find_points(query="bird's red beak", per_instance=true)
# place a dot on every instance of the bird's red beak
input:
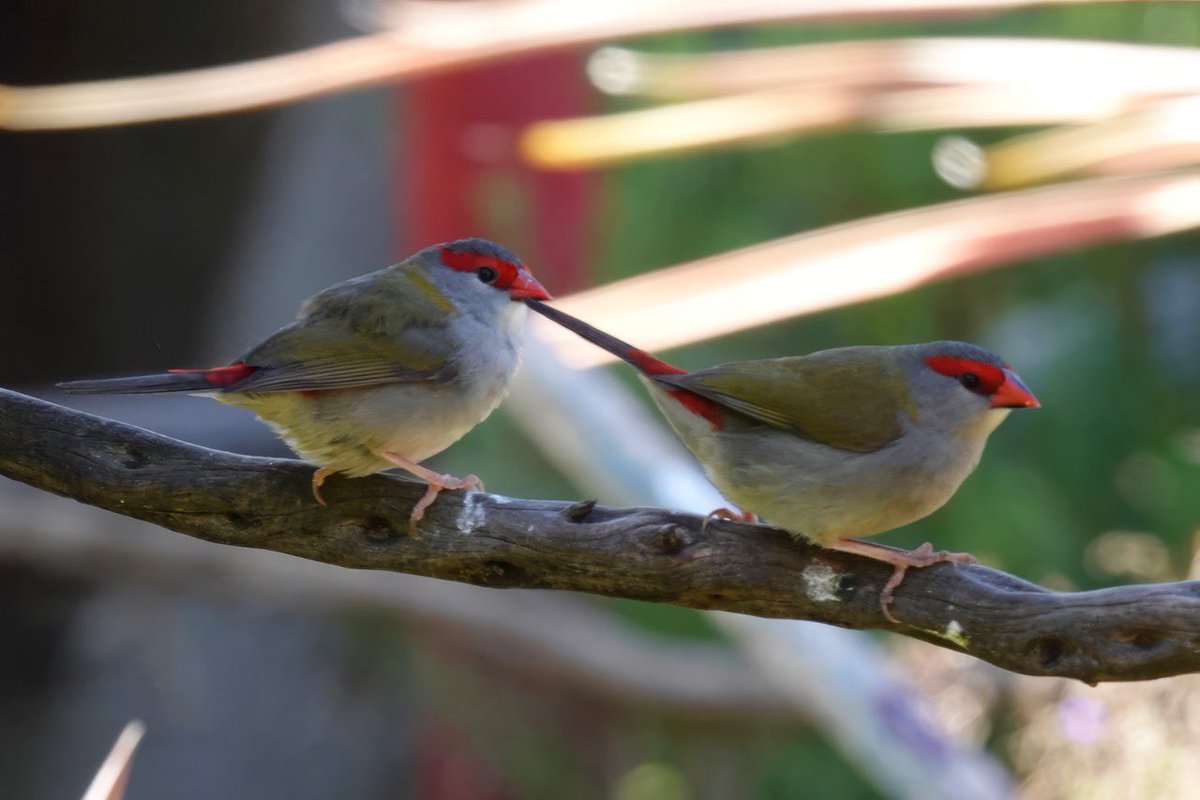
(527, 286)
(1013, 393)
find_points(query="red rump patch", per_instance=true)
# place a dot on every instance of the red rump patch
(221, 377)
(700, 406)
(652, 365)
(467, 261)
(990, 376)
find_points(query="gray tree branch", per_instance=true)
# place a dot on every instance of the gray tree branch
(1124, 633)
(529, 634)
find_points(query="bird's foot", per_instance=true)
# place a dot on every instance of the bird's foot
(435, 484)
(729, 514)
(901, 561)
(435, 487)
(318, 479)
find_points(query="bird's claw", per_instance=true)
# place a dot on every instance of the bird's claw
(901, 561)
(435, 487)
(923, 556)
(318, 479)
(435, 483)
(727, 514)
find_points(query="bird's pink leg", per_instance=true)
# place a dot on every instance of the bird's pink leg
(435, 482)
(730, 514)
(318, 479)
(901, 561)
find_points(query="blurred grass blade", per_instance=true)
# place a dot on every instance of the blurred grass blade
(994, 105)
(423, 37)
(555, 23)
(788, 112)
(873, 258)
(620, 71)
(703, 124)
(348, 64)
(891, 85)
(1115, 68)
(1163, 136)
(113, 775)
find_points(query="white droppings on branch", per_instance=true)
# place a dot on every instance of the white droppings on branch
(821, 583)
(473, 514)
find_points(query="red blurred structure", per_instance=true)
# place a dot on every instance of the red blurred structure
(458, 171)
(458, 175)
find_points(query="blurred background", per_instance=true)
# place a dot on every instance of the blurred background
(179, 242)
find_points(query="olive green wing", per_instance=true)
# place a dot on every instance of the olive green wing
(850, 398)
(387, 327)
(383, 303)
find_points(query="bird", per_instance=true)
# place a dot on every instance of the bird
(379, 371)
(837, 444)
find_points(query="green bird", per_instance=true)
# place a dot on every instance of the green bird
(380, 371)
(837, 444)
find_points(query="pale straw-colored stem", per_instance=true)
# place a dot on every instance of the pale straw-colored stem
(903, 84)
(874, 257)
(1166, 135)
(1103, 67)
(423, 37)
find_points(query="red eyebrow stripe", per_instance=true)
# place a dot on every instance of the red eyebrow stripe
(465, 260)
(468, 261)
(990, 376)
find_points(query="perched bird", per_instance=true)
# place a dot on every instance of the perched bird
(841, 443)
(379, 371)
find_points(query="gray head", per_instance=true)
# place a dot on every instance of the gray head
(480, 276)
(962, 386)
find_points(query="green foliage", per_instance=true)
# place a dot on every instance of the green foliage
(673, 622)
(809, 767)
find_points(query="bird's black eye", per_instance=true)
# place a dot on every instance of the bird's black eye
(970, 380)
(486, 274)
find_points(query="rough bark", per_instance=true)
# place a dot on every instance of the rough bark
(1123, 633)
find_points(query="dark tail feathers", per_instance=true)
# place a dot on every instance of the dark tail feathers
(639, 359)
(142, 384)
